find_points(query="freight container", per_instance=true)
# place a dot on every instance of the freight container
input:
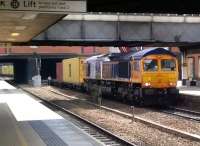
(0, 69)
(59, 71)
(4, 70)
(10, 70)
(7, 69)
(73, 70)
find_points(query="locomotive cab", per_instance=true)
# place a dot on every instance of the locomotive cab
(156, 72)
(159, 71)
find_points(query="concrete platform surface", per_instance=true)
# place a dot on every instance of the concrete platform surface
(26, 122)
(189, 90)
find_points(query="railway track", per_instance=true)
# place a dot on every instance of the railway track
(94, 130)
(144, 121)
(152, 124)
(184, 113)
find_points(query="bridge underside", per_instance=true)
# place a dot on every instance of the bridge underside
(118, 30)
(109, 43)
(26, 66)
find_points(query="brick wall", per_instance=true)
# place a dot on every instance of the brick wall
(55, 50)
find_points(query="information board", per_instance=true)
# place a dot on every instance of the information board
(44, 5)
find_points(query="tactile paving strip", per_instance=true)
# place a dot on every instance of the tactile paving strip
(46, 134)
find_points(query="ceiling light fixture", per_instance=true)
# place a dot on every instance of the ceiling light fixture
(14, 34)
(29, 16)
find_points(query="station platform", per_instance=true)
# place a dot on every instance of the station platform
(189, 90)
(189, 97)
(24, 121)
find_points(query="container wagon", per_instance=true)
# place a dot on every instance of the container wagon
(59, 72)
(73, 71)
(7, 69)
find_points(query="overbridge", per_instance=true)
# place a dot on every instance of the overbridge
(123, 29)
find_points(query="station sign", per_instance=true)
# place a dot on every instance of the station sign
(44, 5)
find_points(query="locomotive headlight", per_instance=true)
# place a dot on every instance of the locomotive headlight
(147, 84)
(171, 84)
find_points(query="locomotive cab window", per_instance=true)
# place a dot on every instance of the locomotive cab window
(168, 65)
(150, 65)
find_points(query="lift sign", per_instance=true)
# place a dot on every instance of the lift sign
(44, 5)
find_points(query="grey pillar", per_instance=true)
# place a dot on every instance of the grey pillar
(33, 71)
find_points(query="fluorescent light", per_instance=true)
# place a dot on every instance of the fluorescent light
(14, 34)
(29, 16)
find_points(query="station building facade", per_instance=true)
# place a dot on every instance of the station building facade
(191, 67)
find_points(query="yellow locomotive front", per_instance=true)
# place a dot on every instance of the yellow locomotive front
(159, 71)
(155, 71)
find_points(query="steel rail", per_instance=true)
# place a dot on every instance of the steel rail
(101, 129)
(163, 128)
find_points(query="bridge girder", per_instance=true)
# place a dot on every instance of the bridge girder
(138, 29)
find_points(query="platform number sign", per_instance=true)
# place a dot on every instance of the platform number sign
(14, 4)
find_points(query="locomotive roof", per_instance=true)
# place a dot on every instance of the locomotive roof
(103, 57)
(93, 57)
(146, 52)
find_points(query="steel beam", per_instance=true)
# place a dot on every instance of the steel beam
(135, 28)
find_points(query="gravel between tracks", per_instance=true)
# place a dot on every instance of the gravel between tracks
(132, 131)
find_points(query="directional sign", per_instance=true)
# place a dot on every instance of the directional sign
(44, 5)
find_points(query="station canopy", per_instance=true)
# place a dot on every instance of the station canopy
(21, 20)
